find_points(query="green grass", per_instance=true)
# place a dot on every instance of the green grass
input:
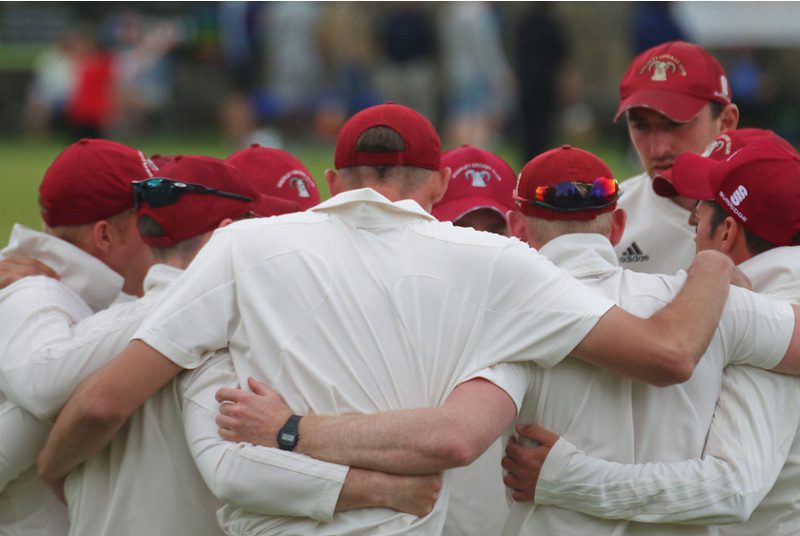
(25, 161)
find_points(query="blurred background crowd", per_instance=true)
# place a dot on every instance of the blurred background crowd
(522, 75)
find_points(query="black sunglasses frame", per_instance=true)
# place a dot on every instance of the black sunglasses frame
(166, 192)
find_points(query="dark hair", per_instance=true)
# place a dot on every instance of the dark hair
(755, 244)
(380, 140)
(716, 109)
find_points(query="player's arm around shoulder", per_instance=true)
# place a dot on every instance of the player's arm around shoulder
(664, 349)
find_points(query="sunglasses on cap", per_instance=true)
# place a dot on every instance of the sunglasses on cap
(160, 192)
(575, 195)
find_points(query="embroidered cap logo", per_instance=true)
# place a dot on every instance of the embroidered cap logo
(478, 178)
(662, 66)
(738, 195)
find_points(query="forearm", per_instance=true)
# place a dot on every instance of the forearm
(698, 491)
(21, 437)
(77, 435)
(663, 349)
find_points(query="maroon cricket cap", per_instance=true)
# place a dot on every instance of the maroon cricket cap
(758, 185)
(721, 148)
(676, 79)
(480, 179)
(421, 143)
(193, 214)
(91, 180)
(565, 163)
(277, 173)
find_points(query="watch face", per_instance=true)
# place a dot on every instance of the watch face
(289, 435)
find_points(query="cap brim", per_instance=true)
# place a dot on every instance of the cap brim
(458, 208)
(677, 106)
(691, 176)
(267, 205)
(662, 184)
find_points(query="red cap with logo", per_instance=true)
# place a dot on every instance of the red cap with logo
(421, 143)
(758, 185)
(564, 164)
(676, 79)
(480, 180)
(193, 213)
(721, 148)
(277, 173)
(91, 180)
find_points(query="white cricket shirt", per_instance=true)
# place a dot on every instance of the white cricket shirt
(362, 305)
(750, 445)
(658, 238)
(34, 312)
(625, 421)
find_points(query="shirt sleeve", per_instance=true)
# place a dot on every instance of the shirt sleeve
(21, 437)
(198, 314)
(746, 448)
(538, 311)
(259, 479)
(44, 382)
(513, 378)
(39, 313)
(757, 328)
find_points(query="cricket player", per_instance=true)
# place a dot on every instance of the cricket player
(320, 303)
(91, 241)
(676, 99)
(277, 173)
(752, 448)
(574, 223)
(480, 191)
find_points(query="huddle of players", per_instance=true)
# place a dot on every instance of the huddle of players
(735, 426)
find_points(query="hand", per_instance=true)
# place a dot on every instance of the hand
(55, 484)
(414, 495)
(15, 268)
(251, 417)
(523, 464)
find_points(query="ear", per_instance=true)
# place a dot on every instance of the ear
(728, 233)
(515, 221)
(439, 182)
(334, 182)
(729, 118)
(618, 219)
(102, 237)
(224, 223)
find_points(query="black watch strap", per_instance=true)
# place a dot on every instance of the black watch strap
(289, 434)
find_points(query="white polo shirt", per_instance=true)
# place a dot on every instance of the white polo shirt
(362, 305)
(625, 421)
(37, 311)
(658, 238)
(750, 445)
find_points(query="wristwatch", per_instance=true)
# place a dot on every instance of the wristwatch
(289, 434)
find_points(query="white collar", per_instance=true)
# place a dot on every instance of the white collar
(775, 273)
(159, 277)
(582, 254)
(365, 208)
(96, 284)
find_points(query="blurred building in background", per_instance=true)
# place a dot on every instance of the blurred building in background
(531, 75)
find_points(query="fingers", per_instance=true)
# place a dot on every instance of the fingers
(257, 387)
(230, 394)
(536, 433)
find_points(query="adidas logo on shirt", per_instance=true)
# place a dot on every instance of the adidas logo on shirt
(633, 254)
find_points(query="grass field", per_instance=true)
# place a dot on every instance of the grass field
(25, 161)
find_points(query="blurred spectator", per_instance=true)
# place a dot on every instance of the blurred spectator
(540, 53)
(407, 73)
(144, 84)
(239, 29)
(90, 110)
(479, 83)
(349, 51)
(653, 24)
(54, 80)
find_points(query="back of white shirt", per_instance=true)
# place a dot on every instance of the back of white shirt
(621, 420)
(362, 305)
